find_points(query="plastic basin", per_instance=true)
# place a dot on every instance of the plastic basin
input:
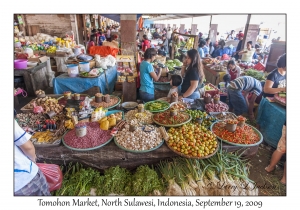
(20, 64)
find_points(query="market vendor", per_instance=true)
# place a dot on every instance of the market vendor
(201, 49)
(164, 46)
(192, 71)
(247, 54)
(238, 100)
(233, 69)
(91, 43)
(156, 34)
(145, 43)
(114, 40)
(276, 80)
(147, 75)
(206, 47)
(28, 178)
(239, 46)
(220, 50)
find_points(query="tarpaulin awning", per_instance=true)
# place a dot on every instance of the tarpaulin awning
(116, 17)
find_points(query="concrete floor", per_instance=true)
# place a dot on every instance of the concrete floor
(269, 183)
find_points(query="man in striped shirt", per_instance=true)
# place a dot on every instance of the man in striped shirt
(238, 100)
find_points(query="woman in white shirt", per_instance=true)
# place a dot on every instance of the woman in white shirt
(247, 54)
(28, 178)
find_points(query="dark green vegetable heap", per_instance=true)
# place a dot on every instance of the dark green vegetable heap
(115, 181)
(256, 74)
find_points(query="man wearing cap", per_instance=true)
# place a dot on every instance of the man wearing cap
(239, 46)
(28, 178)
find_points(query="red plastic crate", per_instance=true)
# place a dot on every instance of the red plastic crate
(212, 92)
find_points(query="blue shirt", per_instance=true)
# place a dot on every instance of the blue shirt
(146, 80)
(220, 52)
(255, 56)
(205, 50)
(201, 52)
(101, 40)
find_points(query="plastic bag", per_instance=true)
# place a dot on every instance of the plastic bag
(97, 60)
(37, 109)
(111, 60)
(53, 175)
(94, 72)
(61, 64)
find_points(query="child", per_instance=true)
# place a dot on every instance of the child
(176, 81)
(101, 39)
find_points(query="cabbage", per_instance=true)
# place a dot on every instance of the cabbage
(176, 61)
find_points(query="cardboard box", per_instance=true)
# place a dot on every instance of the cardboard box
(92, 64)
(60, 53)
(43, 52)
(36, 52)
(164, 72)
(125, 58)
(161, 59)
(40, 59)
(51, 54)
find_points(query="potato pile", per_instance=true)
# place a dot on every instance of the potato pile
(48, 104)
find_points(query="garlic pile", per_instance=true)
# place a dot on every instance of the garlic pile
(138, 140)
(144, 117)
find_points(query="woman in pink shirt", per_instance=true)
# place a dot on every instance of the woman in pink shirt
(91, 43)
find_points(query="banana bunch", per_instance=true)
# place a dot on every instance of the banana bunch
(190, 43)
(51, 49)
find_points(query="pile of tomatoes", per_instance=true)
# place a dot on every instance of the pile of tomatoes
(193, 140)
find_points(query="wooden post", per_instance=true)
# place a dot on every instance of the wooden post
(84, 30)
(23, 26)
(246, 31)
(99, 21)
(209, 26)
(80, 29)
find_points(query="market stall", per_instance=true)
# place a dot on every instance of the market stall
(271, 117)
(87, 129)
(34, 77)
(64, 83)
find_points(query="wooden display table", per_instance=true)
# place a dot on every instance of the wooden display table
(103, 158)
(34, 78)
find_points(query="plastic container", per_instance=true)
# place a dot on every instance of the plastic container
(18, 44)
(80, 130)
(84, 66)
(20, 64)
(72, 70)
(222, 85)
